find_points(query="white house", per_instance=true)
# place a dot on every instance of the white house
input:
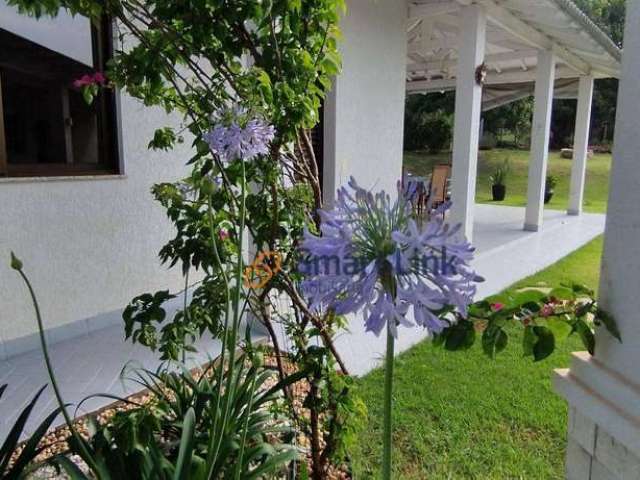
(74, 180)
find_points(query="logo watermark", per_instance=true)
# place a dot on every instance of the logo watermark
(261, 271)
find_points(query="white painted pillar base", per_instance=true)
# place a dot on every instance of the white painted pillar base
(466, 130)
(540, 131)
(580, 146)
(603, 391)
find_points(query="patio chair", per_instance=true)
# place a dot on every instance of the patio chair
(438, 191)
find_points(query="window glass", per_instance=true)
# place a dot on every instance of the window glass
(47, 127)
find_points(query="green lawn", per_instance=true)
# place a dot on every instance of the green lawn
(596, 191)
(461, 415)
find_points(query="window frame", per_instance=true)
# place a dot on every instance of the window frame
(110, 152)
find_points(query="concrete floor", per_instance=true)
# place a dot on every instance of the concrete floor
(93, 363)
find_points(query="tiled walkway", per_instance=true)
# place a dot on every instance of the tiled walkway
(88, 365)
(93, 363)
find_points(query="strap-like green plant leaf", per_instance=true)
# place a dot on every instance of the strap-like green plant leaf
(187, 441)
(10, 444)
(70, 468)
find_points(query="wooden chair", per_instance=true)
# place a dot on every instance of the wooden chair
(438, 192)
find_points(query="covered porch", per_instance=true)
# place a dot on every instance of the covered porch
(492, 53)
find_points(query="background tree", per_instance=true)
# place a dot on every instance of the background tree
(515, 118)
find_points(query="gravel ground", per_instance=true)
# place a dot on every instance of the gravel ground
(55, 443)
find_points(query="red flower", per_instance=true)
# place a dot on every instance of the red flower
(83, 81)
(547, 311)
(100, 78)
(97, 78)
(496, 307)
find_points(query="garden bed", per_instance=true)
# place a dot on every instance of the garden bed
(55, 442)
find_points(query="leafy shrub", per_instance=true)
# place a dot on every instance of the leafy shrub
(189, 431)
(430, 130)
(547, 320)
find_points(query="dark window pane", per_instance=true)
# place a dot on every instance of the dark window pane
(48, 127)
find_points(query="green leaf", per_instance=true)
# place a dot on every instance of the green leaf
(187, 441)
(494, 340)
(527, 296)
(586, 335)
(273, 464)
(264, 82)
(580, 289)
(88, 94)
(163, 139)
(562, 293)
(12, 439)
(295, 5)
(70, 468)
(480, 309)
(460, 336)
(545, 343)
(560, 328)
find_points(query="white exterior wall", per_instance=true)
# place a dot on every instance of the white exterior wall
(364, 114)
(89, 245)
(363, 133)
(602, 391)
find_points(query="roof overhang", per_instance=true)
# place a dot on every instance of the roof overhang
(516, 31)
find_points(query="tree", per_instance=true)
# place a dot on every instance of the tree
(609, 15)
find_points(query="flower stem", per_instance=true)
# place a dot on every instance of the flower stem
(85, 453)
(388, 394)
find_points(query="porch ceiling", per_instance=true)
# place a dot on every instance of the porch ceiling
(516, 31)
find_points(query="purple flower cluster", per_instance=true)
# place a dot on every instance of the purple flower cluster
(371, 255)
(233, 141)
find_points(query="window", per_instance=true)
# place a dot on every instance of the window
(46, 127)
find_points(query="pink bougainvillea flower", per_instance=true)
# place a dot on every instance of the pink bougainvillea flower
(83, 81)
(100, 78)
(496, 307)
(547, 311)
(223, 234)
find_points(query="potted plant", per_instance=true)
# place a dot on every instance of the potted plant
(549, 187)
(498, 186)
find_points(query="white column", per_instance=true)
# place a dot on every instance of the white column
(580, 145)
(466, 131)
(603, 391)
(540, 140)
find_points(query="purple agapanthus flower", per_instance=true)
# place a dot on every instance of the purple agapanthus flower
(240, 139)
(372, 256)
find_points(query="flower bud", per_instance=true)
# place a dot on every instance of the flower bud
(16, 264)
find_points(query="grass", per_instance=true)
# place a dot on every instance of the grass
(596, 189)
(462, 415)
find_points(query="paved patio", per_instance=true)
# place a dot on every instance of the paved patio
(93, 363)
